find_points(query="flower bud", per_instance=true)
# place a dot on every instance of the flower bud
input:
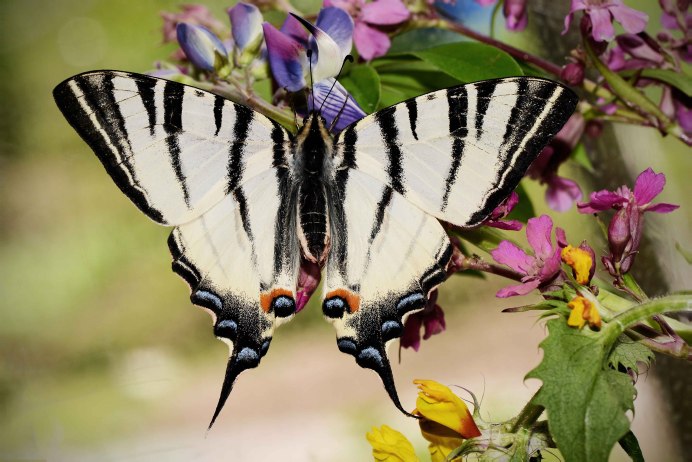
(204, 49)
(246, 27)
(573, 73)
(515, 13)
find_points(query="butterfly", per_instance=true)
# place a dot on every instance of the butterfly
(248, 201)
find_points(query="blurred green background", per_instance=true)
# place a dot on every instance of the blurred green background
(104, 358)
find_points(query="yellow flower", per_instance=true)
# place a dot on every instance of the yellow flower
(442, 439)
(437, 403)
(581, 262)
(388, 445)
(583, 311)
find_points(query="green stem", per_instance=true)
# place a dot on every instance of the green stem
(641, 312)
(528, 416)
(629, 282)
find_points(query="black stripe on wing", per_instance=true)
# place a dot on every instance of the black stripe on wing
(457, 113)
(173, 94)
(98, 122)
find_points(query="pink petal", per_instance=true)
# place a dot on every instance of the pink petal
(662, 208)
(600, 201)
(508, 225)
(385, 12)
(538, 232)
(561, 237)
(551, 266)
(411, 336)
(486, 2)
(509, 254)
(601, 24)
(576, 5)
(562, 193)
(632, 21)
(648, 185)
(434, 322)
(370, 42)
(519, 289)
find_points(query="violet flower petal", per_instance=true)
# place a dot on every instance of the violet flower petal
(516, 17)
(287, 58)
(294, 29)
(600, 201)
(201, 46)
(632, 21)
(327, 59)
(434, 322)
(562, 193)
(575, 6)
(648, 185)
(538, 233)
(519, 289)
(662, 208)
(384, 12)
(507, 225)
(411, 336)
(246, 24)
(370, 42)
(602, 24)
(510, 255)
(339, 26)
(334, 104)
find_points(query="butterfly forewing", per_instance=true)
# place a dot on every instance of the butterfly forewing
(457, 153)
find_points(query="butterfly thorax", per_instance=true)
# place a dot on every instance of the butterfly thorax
(312, 149)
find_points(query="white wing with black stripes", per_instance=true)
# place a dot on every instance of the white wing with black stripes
(458, 153)
(453, 154)
(217, 170)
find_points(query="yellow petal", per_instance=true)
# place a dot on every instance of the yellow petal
(437, 403)
(592, 315)
(388, 445)
(580, 261)
(578, 305)
(442, 439)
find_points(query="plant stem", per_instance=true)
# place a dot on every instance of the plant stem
(629, 282)
(476, 263)
(528, 416)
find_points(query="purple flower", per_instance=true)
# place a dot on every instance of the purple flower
(495, 219)
(330, 41)
(246, 26)
(602, 13)
(573, 73)
(642, 51)
(515, 13)
(561, 192)
(197, 15)
(431, 319)
(371, 42)
(676, 105)
(625, 229)
(202, 47)
(540, 270)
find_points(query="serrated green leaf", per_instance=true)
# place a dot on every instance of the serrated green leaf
(627, 353)
(580, 156)
(586, 402)
(421, 39)
(470, 62)
(524, 209)
(363, 83)
(679, 80)
(630, 445)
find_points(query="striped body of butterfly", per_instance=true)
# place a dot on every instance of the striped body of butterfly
(248, 200)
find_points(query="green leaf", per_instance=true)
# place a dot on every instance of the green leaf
(397, 87)
(422, 39)
(630, 445)
(470, 62)
(627, 353)
(363, 83)
(679, 80)
(580, 156)
(524, 209)
(585, 401)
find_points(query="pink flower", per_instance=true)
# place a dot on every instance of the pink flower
(602, 13)
(198, 15)
(542, 269)
(431, 319)
(308, 280)
(561, 192)
(495, 219)
(625, 229)
(370, 41)
(635, 52)
(515, 13)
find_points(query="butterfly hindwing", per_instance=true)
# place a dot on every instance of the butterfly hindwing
(386, 257)
(457, 153)
(217, 170)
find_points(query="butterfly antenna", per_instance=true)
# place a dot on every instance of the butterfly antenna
(348, 58)
(338, 114)
(312, 85)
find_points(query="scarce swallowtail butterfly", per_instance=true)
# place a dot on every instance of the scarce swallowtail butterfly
(248, 200)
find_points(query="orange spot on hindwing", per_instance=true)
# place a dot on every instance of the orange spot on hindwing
(351, 299)
(268, 298)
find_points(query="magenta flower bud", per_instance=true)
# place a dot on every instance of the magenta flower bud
(619, 233)
(515, 13)
(573, 73)
(201, 47)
